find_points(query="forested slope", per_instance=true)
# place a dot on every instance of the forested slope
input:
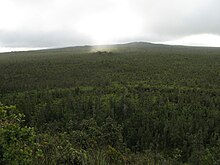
(136, 103)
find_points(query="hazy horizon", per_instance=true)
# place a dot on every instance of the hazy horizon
(31, 25)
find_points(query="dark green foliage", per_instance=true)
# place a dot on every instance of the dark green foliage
(136, 103)
(17, 144)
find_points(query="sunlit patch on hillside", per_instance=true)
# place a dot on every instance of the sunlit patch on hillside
(103, 48)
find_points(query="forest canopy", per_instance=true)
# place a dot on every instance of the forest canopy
(136, 103)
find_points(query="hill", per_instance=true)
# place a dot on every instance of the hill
(131, 103)
(99, 65)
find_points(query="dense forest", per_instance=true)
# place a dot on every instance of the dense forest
(136, 103)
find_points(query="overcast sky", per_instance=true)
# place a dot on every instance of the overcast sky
(32, 24)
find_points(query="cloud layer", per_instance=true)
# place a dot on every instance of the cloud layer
(56, 23)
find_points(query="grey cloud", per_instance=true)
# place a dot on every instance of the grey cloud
(52, 23)
(41, 39)
(169, 20)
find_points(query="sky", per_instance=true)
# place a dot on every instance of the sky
(36, 24)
